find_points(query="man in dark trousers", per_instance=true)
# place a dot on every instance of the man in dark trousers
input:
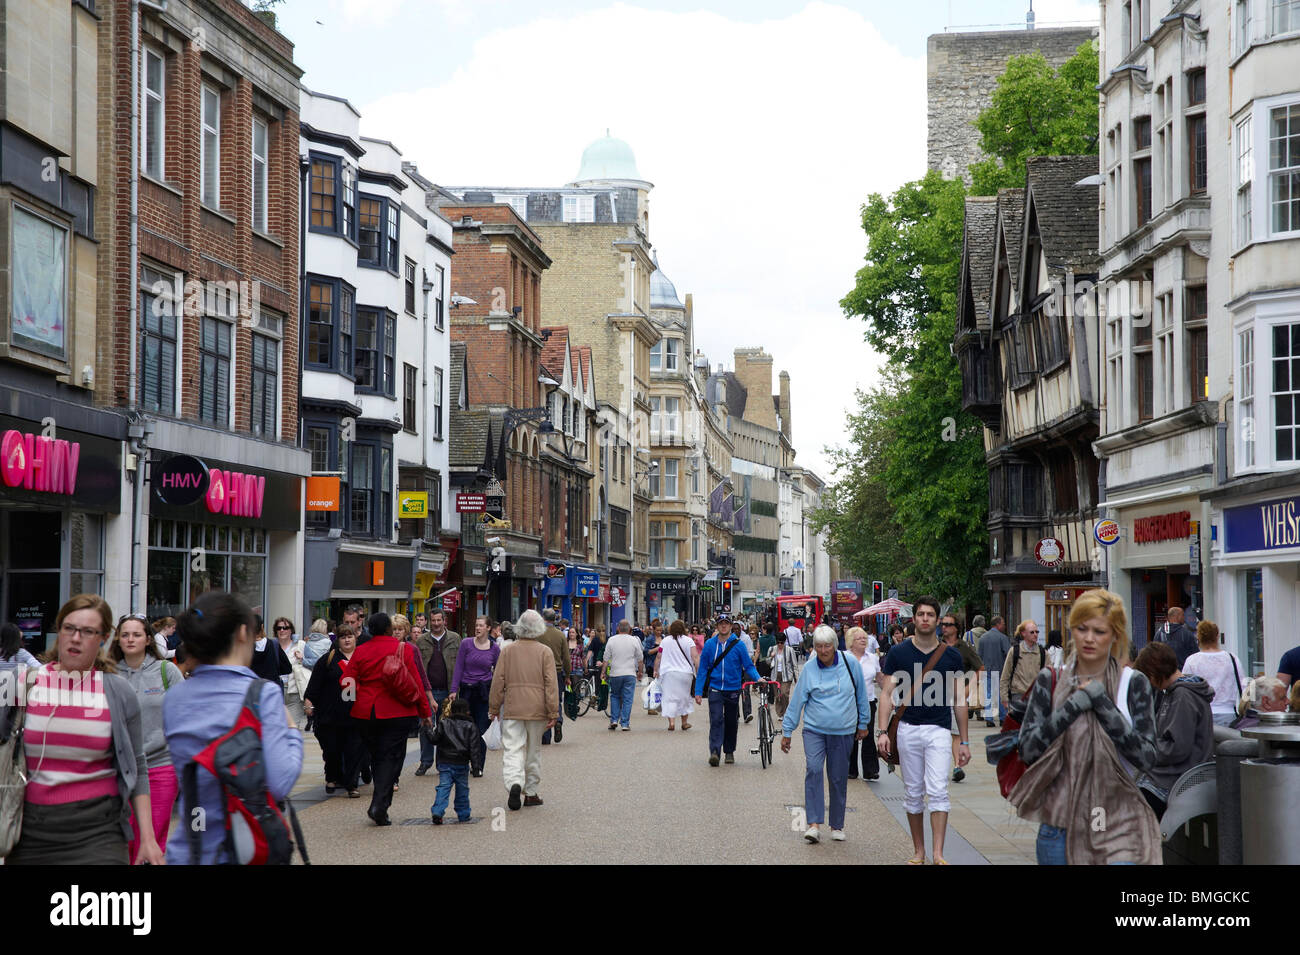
(554, 641)
(993, 647)
(1180, 637)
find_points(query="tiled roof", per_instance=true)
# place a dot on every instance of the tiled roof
(1066, 213)
(553, 350)
(584, 358)
(980, 232)
(468, 428)
(1011, 216)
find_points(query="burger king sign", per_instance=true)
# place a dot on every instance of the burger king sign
(1106, 532)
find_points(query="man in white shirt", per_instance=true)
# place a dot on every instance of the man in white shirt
(624, 665)
(794, 638)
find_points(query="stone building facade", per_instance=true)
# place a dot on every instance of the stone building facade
(961, 73)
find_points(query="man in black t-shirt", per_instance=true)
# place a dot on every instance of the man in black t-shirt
(925, 728)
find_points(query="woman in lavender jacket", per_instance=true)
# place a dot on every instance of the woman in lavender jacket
(219, 632)
(472, 678)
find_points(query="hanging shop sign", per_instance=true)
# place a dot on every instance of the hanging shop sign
(555, 570)
(586, 583)
(1049, 552)
(412, 505)
(1106, 532)
(617, 596)
(322, 494)
(470, 503)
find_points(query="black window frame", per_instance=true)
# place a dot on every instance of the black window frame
(440, 380)
(210, 388)
(439, 314)
(341, 332)
(410, 397)
(384, 350)
(380, 506)
(408, 280)
(335, 179)
(388, 249)
(166, 376)
(264, 383)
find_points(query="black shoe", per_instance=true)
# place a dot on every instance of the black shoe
(559, 733)
(989, 723)
(365, 779)
(853, 775)
(380, 819)
(437, 820)
(749, 718)
(613, 726)
(729, 759)
(476, 772)
(713, 756)
(872, 776)
(422, 769)
(514, 802)
(958, 774)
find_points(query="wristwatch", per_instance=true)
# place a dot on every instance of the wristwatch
(964, 743)
(880, 733)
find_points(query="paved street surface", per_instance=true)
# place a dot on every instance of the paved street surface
(650, 796)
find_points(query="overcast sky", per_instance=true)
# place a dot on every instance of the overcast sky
(762, 124)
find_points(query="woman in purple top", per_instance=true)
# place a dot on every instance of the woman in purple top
(472, 678)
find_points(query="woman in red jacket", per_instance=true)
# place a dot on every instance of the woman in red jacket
(384, 720)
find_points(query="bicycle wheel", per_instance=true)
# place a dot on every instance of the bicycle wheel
(764, 737)
(585, 692)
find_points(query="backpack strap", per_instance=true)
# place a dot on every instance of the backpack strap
(856, 703)
(166, 686)
(190, 788)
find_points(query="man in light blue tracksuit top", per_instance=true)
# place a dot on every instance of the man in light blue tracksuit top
(831, 695)
(723, 688)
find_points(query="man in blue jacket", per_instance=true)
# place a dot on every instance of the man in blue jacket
(722, 668)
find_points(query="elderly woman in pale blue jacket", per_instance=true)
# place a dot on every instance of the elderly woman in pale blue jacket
(831, 697)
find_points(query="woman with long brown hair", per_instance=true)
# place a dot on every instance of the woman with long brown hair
(86, 762)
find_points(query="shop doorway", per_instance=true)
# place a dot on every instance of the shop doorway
(31, 556)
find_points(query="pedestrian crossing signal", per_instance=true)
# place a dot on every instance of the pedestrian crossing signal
(877, 591)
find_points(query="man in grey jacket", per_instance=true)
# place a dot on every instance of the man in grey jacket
(994, 646)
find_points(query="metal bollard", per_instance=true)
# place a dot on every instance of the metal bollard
(1228, 756)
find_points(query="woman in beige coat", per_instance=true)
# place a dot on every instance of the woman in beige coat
(526, 698)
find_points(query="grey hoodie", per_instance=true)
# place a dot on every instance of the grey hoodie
(147, 682)
(1184, 730)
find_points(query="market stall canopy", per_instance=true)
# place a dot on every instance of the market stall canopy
(892, 605)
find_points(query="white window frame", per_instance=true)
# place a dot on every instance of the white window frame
(1253, 345)
(672, 353)
(210, 155)
(578, 209)
(657, 356)
(1243, 26)
(670, 420)
(153, 100)
(518, 203)
(1244, 177)
(671, 473)
(1260, 114)
(1293, 6)
(1247, 440)
(260, 222)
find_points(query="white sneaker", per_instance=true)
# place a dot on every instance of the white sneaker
(813, 836)
(837, 835)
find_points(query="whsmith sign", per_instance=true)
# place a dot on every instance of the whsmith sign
(1269, 525)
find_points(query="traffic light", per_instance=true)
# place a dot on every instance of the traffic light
(724, 603)
(877, 591)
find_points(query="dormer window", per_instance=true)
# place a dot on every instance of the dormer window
(664, 354)
(579, 209)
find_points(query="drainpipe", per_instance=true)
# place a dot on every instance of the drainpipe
(1221, 443)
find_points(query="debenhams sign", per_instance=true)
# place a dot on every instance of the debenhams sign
(1269, 525)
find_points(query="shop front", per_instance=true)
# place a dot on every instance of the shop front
(668, 597)
(620, 595)
(63, 529)
(432, 573)
(1151, 565)
(1255, 563)
(219, 525)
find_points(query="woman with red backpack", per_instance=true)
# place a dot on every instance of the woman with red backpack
(383, 678)
(219, 631)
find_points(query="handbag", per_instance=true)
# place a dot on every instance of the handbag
(1010, 765)
(892, 730)
(13, 762)
(397, 677)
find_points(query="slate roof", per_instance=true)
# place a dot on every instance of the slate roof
(737, 394)
(469, 427)
(1066, 213)
(1011, 216)
(980, 233)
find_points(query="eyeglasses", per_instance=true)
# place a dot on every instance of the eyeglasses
(67, 630)
(281, 626)
(947, 623)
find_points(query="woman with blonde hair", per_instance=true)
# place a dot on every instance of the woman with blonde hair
(1218, 667)
(318, 643)
(1087, 730)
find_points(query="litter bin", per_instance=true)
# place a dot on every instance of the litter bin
(1270, 797)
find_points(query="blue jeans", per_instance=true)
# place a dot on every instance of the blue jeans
(829, 755)
(449, 773)
(622, 690)
(1051, 846)
(428, 755)
(724, 713)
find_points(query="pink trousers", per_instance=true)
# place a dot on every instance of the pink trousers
(163, 787)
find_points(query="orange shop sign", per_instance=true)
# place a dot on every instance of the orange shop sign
(322, 494)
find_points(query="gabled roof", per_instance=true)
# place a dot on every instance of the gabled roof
(554, 351)
(584, 358)
(1066, 212)
(1011, 217)
(978, 236)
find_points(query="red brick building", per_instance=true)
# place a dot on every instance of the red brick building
(216, 289)
(500, 430)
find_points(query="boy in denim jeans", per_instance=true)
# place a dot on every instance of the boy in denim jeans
(458, 742)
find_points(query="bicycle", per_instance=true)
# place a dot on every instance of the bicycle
(766, 725)
(585, 689)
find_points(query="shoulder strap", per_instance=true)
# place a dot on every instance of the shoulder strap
(1236, 675)
(253, 698)
(717, 658)
(845, 658)
(685, 653)
(166, 685)
(1015, 659)
(929, 665)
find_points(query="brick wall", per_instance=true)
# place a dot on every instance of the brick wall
(176, 231)
(962, 71)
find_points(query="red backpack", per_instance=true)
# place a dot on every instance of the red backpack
(256, 830)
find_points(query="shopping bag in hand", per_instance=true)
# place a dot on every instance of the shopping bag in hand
(492, 738)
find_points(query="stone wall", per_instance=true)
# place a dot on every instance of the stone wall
(962, 71)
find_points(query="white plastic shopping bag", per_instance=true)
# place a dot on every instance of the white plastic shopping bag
(652, 696)
(492, 738)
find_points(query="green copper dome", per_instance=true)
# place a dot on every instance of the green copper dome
(607, 158)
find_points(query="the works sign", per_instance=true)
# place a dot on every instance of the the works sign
(1163, 527)
(1270, 525)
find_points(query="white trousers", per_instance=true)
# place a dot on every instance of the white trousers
(925, 758)
(521, 753)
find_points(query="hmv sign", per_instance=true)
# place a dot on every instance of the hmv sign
(190, 489)
(181, 479)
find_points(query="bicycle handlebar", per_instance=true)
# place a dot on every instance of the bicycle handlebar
(775, 683)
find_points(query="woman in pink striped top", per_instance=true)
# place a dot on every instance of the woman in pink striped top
(85, 755)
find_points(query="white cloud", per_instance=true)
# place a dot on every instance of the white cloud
(762, 139)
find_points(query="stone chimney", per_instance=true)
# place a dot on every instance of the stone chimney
(754, 371)
(786, 426)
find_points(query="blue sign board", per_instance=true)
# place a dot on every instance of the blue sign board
(586, 583)
(1269, 525)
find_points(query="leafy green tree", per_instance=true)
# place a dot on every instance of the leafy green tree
(1036, 111)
